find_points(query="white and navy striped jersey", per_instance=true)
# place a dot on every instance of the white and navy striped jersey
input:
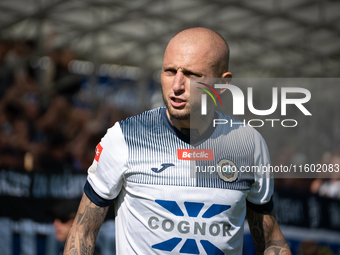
(169, 198)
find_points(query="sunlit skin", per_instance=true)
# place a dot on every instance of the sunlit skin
(193, 57)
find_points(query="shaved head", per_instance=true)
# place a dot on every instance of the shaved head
(204, 37)
(192, 53)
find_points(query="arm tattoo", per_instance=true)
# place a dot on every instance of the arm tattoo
(277, 248)
(83, 233)
(266, 234)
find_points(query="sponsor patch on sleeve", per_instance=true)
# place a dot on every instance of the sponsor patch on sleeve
(94, 166)
(99, 150)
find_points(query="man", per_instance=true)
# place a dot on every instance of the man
(142, 163)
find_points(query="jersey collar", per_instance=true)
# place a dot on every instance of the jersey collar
(186, 138)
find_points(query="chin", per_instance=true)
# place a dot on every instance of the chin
(183, 114)
(179, 114)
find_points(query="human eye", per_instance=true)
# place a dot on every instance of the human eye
(193, 75)
(170, 71)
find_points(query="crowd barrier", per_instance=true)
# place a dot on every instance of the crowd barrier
(26, 223)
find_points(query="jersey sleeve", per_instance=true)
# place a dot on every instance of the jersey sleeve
(259, 198)
(105, 175)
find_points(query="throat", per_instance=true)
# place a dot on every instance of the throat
(192, 132)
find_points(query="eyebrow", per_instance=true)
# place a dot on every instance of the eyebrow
(184, 70)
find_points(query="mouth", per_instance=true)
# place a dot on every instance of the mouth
(177, 102)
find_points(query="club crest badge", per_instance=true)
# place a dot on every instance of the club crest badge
(227, 170)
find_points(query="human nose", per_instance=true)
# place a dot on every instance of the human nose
(179, 82)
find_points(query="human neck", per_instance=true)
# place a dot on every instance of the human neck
(195, 126)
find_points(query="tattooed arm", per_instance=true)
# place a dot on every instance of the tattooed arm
(266, 234)
(83, 233)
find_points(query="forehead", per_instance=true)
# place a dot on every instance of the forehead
(197, 56)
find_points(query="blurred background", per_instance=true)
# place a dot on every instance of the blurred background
(70, 69)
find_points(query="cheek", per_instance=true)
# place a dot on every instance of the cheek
(166, 84)
(195, 94)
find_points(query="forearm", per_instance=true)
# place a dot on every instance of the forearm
(79, 243)
(268, 245)
(279, 247)
(83, 233)
(267, 236)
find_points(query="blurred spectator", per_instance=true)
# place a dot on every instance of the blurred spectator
(6, 72)
(82, 146)
(46, 127)
(328, 187)
(63, 82)
(56, 158)
(290, 156)
(309, 248)
(64, 212)
(14, 129)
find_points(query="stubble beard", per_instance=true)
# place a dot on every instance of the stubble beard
(183, 114)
